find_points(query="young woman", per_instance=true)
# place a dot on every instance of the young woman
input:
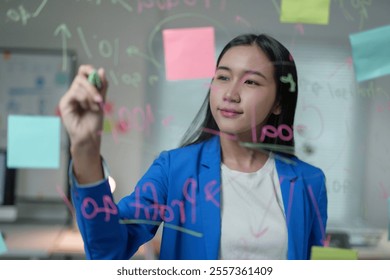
(215, 197)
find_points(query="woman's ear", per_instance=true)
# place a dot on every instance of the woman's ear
(277, 110)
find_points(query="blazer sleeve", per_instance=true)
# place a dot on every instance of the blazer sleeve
(116, 231)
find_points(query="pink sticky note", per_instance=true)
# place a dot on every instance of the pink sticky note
(189, 53)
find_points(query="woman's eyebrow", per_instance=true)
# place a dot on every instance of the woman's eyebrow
(224, 68)
(246, 72)
(254, 72)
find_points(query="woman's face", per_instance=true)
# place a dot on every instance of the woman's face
(243, 92)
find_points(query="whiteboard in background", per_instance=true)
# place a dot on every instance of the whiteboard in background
(31, 83)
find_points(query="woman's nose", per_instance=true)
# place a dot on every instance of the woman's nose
(232, 93)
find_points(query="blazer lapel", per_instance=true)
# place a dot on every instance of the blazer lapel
(295, 201)
(210, 184)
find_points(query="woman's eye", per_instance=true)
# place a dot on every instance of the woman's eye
(250, 82)
(222, 78)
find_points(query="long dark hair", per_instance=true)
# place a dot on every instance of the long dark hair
(286, 96)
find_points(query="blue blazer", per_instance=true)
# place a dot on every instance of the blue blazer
(182, 190)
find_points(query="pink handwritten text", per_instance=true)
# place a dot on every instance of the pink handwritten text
(166, 5)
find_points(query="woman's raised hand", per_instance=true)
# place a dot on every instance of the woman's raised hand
(82, 112)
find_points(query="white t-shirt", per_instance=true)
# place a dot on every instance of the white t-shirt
(253, 222)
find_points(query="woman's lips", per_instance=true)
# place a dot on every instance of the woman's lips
(229, 113)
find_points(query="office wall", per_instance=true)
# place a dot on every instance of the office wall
(346, 129)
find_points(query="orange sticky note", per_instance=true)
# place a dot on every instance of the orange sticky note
(189, 53)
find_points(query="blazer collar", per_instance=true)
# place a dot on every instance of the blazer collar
(211, 156)
(285, 167)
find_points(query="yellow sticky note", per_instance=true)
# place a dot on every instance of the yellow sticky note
(329, 253)
(305, 11)
(107, 125)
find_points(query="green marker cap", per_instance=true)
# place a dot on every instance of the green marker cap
(94, 79)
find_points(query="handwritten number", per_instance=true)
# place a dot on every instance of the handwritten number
(109, 207)
(89, 208)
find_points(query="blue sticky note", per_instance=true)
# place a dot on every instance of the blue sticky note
(388, 218)
(33, 142)
(3, 246)
(370, 53)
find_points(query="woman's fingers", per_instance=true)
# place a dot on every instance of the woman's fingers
(103, 90)
(84, 93)
(85, 70)
(79, 94)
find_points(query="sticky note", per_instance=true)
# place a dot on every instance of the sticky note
(330, 253)
(189, 53)
(370, 53)
(33, 142)
(305, 11)
(3, 246)
(388, 218)
(107, 125)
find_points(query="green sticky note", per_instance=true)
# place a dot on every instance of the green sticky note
(33, 142)
(370, 53)
(3, 246)
(305, 11)
(329, 253)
